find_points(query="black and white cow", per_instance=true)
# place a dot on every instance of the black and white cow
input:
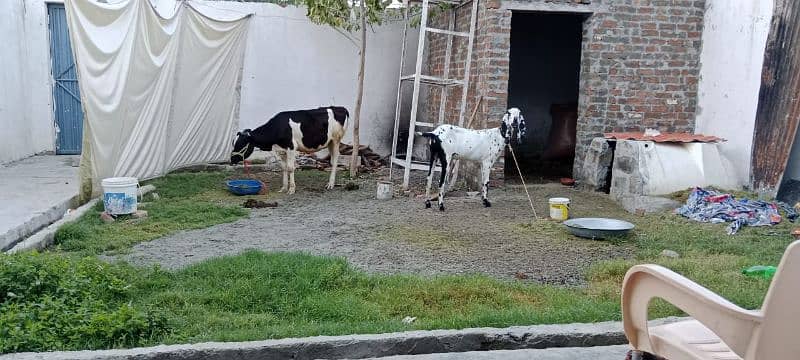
(291, 131)
(449, 142)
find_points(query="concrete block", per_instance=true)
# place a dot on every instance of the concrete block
(371, 346)
(596, 166)
(655, 169)
(670, 254)
(616, 352)
(625, 164)
(619, 186)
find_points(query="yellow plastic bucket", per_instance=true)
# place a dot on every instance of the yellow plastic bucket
(559, 209)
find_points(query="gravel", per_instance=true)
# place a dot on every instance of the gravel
(401, 236)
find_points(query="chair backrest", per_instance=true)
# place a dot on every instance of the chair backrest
(777, 338)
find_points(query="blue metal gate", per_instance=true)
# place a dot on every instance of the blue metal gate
(66, 95)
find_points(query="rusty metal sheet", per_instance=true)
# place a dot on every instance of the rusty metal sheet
(664, 137)
(778, 109)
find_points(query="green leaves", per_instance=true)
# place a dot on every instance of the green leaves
(53, 301)
(339, 14)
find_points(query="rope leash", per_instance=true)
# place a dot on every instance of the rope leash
(523, 181)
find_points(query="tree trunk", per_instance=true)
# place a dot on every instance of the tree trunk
(355, 161)
(778, 114)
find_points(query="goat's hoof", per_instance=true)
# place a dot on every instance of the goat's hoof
(329, 187)
(282, 190)
(486, 203)
(441, 207)
(290, 192)
(427, 204)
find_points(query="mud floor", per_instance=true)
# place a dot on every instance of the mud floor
(401, 236)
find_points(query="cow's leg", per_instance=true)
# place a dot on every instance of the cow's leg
(290, 165)
(444, 179)
(333, 148)
(282, 157)
(486, 170)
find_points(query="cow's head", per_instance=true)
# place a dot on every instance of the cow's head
(513, 125)
(242, 146)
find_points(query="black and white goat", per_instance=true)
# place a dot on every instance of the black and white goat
(449, 142)
(290, 131)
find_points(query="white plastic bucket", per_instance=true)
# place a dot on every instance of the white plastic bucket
(119, 195)
(559, 209)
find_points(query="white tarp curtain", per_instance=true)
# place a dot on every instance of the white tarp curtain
(158, 93)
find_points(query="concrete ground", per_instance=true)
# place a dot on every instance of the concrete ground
(35, 192)
(616, 352)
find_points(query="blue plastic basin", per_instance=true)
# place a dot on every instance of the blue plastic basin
(244, 187)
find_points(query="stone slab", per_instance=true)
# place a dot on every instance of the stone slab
(45, 237)
(370, 346)
(35, 192)
(616, 352)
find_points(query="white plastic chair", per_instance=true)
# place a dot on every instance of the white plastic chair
(720, 330)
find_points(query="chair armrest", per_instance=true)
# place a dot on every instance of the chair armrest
(733, 324)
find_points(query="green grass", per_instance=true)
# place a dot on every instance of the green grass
(186, 201)
(258, 295)
(709, 256)
(56, 301)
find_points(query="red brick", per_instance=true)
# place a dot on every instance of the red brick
(609, 24)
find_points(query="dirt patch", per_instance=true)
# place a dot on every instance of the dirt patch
(401, 236)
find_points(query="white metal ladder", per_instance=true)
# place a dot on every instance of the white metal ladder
(419, 78)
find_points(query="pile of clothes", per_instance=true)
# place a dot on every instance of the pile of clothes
(712, 206)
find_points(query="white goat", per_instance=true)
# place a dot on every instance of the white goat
(449, 142)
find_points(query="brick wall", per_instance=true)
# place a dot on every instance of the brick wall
(639, 67)
(489, 72)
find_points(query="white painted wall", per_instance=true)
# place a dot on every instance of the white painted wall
(26, 117)
(734, 36)
(291, 63)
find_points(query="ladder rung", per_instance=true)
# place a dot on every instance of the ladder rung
(415, 165)
(432, 80)
(422, 123)
(447, 32)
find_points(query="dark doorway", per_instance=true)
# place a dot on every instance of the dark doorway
(543, 83)
(789, 190)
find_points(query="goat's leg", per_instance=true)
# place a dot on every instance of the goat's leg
(429, 184)
(486, 170)
(333, 148)
(282, 158)
(444, 179)
(290, 165)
